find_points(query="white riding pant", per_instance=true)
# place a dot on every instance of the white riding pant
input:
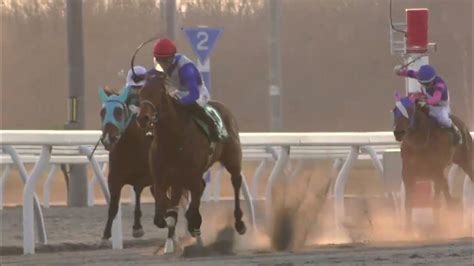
(441, 114)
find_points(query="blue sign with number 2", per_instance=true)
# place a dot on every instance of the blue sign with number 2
(202, 40)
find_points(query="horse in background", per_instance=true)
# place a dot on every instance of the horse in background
(427, 150)
(181, 153)
(128, 148)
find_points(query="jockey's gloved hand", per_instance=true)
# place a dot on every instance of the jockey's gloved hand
(134, 109)
(397, 69)
(174, 94)
(421, 103)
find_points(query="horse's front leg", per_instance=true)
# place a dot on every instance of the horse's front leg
(437, 203)
(160, 205)
(172, 219)
(409, 183)
(409, 190)
(137, 226)
(115, 190)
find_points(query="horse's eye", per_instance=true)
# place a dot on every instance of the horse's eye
(102, 113)
(118, 114)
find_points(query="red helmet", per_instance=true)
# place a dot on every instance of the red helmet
(164, 47)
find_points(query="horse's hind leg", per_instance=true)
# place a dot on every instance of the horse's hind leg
(236, 178)
(137, 226)
(443, 186)
(115, 190)
(237, 184)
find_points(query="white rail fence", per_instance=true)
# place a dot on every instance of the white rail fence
(43, 148)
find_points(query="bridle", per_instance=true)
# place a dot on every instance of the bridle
(154, 118)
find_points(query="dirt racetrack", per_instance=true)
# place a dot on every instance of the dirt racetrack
(74, 239)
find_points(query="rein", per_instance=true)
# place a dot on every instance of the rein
(95, 147)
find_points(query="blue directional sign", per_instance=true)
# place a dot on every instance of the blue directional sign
(202, 40)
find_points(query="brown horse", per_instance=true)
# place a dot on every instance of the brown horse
(128, 148)
(181, 153)
(427, 150)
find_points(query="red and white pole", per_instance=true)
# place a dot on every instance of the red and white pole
(416, 51)
(416, 44)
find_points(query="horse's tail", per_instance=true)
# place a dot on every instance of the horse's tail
(464, 154)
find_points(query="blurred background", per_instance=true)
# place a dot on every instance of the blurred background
(336, 66)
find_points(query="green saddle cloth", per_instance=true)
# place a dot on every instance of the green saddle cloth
(222, 133)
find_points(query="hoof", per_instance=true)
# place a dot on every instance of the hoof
(455, 204)
(194, 251)
(199, 241)
(195, 233)
(105, 243)
(137, 233)
(170, 246)
(240, 227)
(161, 223)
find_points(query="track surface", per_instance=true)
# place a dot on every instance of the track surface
(74, 238)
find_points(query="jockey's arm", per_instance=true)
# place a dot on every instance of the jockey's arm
(188, 78)
(439, 88)
(407, 73)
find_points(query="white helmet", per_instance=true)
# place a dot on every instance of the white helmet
(139, 79)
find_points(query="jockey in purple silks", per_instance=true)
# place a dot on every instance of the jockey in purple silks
(189, 87)
(436, 92)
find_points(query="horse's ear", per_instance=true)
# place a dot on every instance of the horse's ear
(103, 95)
(124, 95)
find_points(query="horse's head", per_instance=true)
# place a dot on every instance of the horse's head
(114, 116)
(406, 115)
(152, 96)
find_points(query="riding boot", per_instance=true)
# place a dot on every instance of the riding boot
(457, 136)
(200, 113)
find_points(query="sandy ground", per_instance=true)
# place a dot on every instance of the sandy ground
(371, 235)
(452, 253)
(74, 238)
